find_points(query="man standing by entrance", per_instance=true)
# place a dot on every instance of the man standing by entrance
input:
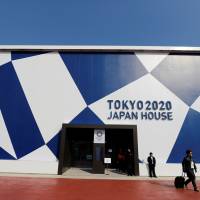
(151, 163)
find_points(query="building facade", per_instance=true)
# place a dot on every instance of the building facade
(157, 92)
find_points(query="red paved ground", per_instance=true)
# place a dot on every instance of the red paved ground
(16, 188)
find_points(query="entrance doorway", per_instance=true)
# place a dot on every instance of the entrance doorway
(77, 147)
(118, 140)
(81, 147)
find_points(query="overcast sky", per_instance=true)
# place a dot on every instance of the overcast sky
(100, 22)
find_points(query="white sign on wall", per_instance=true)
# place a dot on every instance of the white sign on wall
(107, 160)
(99, 136)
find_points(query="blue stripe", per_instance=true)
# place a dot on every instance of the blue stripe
(97, 75)
(23, 130)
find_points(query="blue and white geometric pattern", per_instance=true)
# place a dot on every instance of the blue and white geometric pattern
(196, 105)
(149, 131)
(188, 138)
(16, 55)
(5, 57)
(98, 75)
(180, 73)
(151, 60)
(50, 91)
(87, 117)
(41, 91)
(16, 112)
(5, 141)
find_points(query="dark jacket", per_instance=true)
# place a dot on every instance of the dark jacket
(151, 162)
(186, 164)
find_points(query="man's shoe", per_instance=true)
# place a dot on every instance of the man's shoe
(196, 190)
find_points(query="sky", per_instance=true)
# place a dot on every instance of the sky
(100, 22)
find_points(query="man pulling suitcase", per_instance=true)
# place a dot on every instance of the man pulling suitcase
(189, 167)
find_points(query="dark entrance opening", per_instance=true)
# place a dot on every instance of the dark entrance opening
(81, 147)
(77, 147)
(118, 140)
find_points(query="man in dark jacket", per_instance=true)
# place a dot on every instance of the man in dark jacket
(190, 168)
(129, 162)
(151, 163)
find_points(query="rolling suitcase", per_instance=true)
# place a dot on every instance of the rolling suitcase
(179, 182)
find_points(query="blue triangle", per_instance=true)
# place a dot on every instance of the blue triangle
(5, 155)
(54, 144)
(188, 138)
(86, 117)
(97, 75)
(19, 55)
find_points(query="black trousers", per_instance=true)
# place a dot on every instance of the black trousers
(129, 169)
(191, 178)
(152, 171)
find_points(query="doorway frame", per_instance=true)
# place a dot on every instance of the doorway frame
(102, 126)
